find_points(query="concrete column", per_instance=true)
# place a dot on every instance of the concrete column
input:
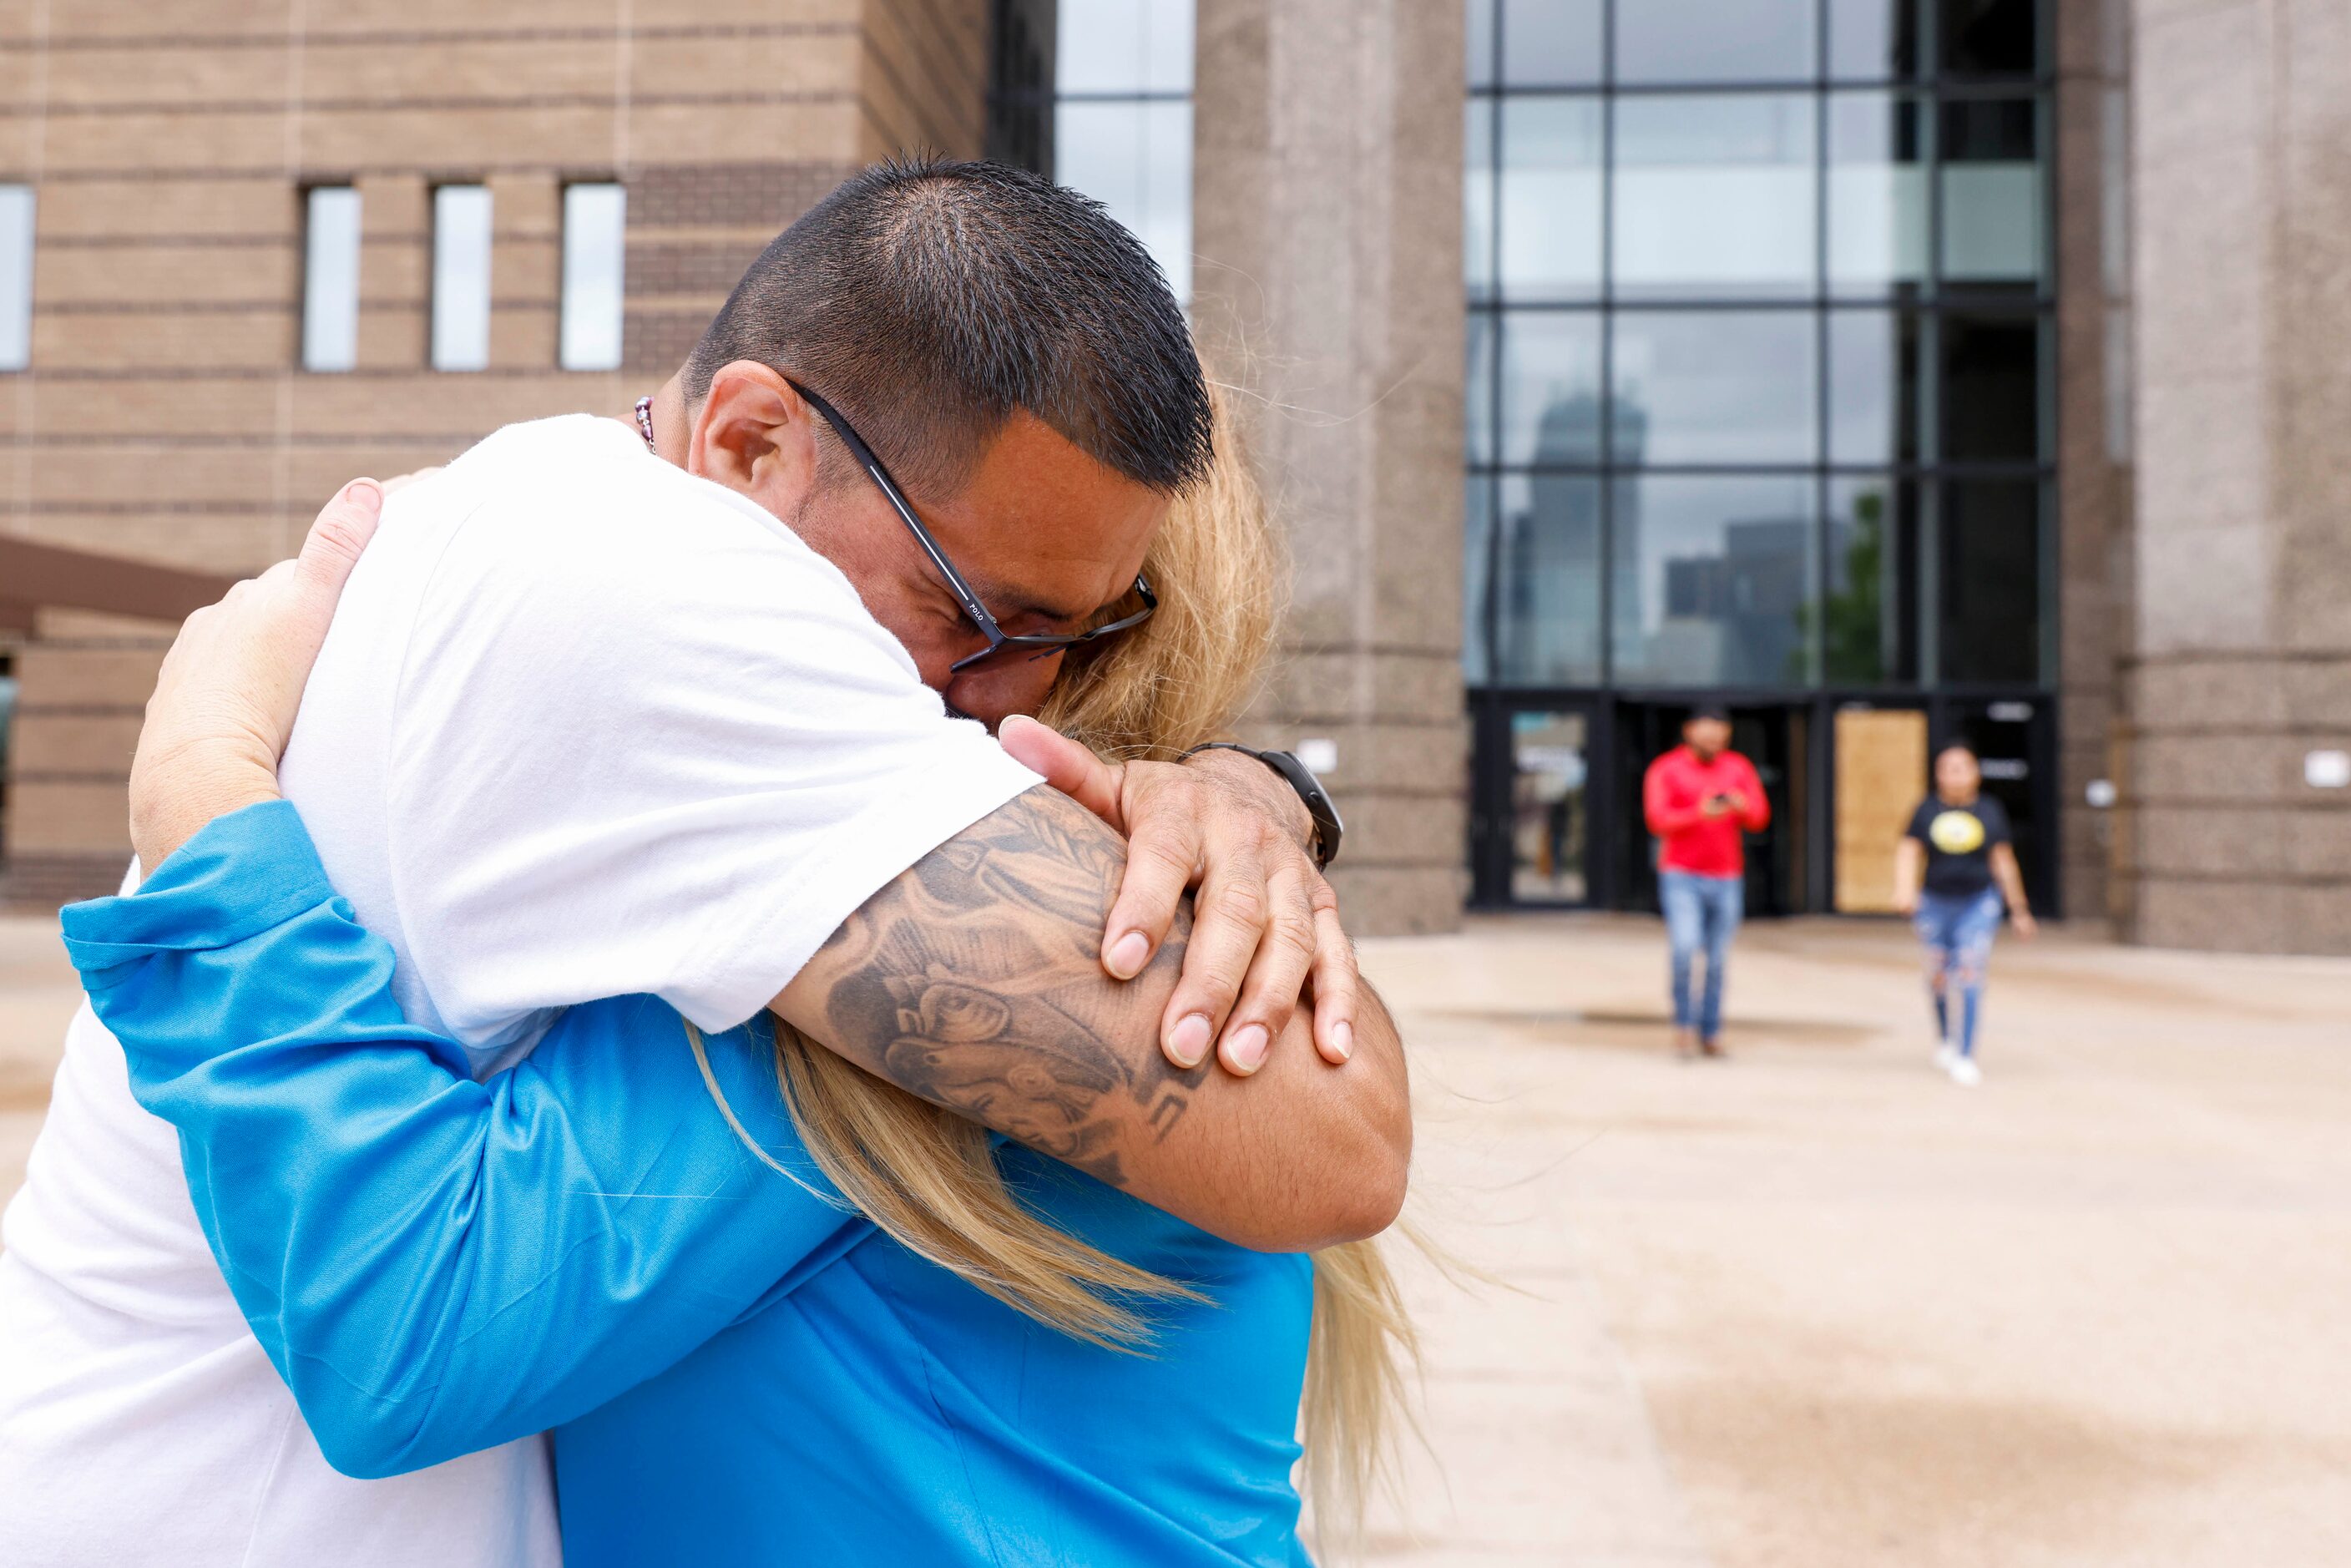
(2094, 439)
(1327, 224)
(2243, 558)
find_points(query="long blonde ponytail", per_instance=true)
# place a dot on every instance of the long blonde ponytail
(925, 1176)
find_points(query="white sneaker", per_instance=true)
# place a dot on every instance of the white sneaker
(1947, 1056)
(1965, 1072)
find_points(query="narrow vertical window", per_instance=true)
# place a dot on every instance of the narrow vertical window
(594, 257)
(330, 279)
(1122, 118)
(461, 278)
(16, 276)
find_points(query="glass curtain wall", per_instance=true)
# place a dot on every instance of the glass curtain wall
(1759, 344)
(1122, 118)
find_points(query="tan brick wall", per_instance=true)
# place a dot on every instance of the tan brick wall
(917, 87)
(169, 142)
(692, 228)
(84, 682)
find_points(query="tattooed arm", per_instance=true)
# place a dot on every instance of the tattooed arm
(974, 980)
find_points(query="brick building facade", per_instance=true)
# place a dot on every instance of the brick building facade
(169, 144)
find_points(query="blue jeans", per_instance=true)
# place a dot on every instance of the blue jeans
(1700, 912)
(1957, 930)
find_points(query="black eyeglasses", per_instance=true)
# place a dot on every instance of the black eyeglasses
(1001, 644)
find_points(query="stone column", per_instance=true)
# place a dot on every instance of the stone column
(2242, 192)
(1327, 224)
(2094, 438)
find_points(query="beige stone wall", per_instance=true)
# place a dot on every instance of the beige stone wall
(2241, 568)
(169, 142)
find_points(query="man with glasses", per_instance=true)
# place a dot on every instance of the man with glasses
(607, 712)
(1001, 645)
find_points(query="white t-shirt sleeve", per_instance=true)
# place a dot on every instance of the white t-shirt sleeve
(660, 749)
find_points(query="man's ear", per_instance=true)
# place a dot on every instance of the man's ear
(756, 436)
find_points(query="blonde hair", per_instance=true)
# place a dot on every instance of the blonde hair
(924, 1176)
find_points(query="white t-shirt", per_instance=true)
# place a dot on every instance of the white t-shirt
(585, 726)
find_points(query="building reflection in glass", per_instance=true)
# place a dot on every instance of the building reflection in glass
(1869, 616)
(1728, 563)
(1547, 573)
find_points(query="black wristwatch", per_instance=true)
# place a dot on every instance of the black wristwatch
(1324, 815)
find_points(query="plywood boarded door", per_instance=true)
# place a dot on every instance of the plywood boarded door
(1881, 774)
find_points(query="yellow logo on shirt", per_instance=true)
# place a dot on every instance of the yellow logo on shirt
(1957, 832)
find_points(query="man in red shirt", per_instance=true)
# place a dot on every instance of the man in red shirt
(1702, 798)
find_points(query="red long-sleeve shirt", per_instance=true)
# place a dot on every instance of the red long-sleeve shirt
(1674, 791)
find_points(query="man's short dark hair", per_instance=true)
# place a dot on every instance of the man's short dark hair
(929, 301)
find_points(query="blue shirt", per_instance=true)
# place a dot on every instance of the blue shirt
(738, 1367)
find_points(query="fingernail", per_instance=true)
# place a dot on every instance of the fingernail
(1188, 1041)
(1127, 954)
(365, 492)
(1343, 1039)
(1245, 1050)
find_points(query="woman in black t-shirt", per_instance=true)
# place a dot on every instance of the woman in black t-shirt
(1954, 864)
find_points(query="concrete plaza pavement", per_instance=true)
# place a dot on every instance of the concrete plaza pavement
(1815, 1307)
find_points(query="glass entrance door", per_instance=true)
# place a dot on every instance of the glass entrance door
(1535, 798)
(1550, 772)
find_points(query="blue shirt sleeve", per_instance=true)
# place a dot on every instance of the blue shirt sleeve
(436, 1265)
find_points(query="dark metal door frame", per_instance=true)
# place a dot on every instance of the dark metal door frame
(1951, 712)
(1492, 810)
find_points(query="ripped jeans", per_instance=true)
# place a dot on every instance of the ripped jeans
(1957, 932)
